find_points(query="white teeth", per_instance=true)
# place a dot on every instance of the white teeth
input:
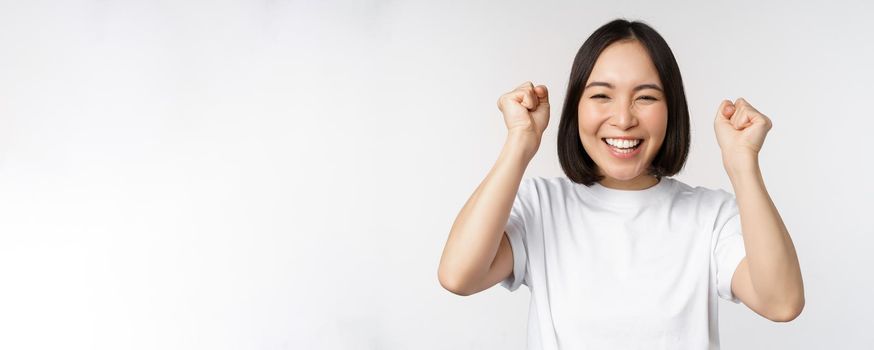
(620, 150)
(623, 143)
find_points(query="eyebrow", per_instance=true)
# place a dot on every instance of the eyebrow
(636, 88)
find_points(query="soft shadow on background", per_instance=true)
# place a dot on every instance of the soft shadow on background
(284, 174)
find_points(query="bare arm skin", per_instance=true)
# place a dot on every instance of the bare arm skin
(768, 280)
(467, 264)
(477, 254)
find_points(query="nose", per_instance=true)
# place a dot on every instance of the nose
(624, 117)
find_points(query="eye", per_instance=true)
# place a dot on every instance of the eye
(648, 98)
(599, 96)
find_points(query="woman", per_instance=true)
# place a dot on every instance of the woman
(618, 254)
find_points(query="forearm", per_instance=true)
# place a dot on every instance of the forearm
(771, 256)
(476, 233)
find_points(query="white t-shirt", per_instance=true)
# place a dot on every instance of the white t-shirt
(618, 269)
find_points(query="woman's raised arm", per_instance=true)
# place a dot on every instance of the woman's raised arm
(476, 234)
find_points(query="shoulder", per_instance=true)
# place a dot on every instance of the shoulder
(701, 194)
(547, 185)
(545, 180)
(713, 206)
(545, 189)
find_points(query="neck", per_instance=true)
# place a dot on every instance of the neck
(641, 182)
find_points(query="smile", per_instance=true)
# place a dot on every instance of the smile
(623, 149)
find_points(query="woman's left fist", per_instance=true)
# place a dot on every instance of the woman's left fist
(740, 128)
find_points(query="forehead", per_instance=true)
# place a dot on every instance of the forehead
(624, 63)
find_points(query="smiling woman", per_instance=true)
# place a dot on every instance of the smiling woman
(623, 101)
(624, 84)
(619, 255)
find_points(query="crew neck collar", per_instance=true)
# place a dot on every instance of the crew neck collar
(630, 198)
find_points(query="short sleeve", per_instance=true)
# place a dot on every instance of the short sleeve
(521, 215)
(729, 248)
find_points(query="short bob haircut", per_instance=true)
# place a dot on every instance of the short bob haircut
(671, 157)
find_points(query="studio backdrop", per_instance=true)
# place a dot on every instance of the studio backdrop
(284, 174)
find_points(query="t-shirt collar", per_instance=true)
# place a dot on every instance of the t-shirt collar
(630, 198)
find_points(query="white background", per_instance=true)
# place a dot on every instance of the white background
(284, 174)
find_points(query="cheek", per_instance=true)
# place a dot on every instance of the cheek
(590, 117)
(654, 111)
(655, 116)
(656, 120)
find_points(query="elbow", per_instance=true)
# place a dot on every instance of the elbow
(788, 313)
(451, 284)
(453, 287)
(457, 291)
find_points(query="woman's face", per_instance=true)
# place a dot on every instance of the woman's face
(623, 99)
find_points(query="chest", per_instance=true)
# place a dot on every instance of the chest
(616, 273)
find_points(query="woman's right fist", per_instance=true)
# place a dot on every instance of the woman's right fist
(526, 109)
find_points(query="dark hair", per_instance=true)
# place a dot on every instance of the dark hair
(576, 163)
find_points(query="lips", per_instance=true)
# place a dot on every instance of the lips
(621, 138)
(627, 153)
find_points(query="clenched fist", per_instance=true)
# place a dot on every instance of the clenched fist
(740, 131)
(526, 111)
